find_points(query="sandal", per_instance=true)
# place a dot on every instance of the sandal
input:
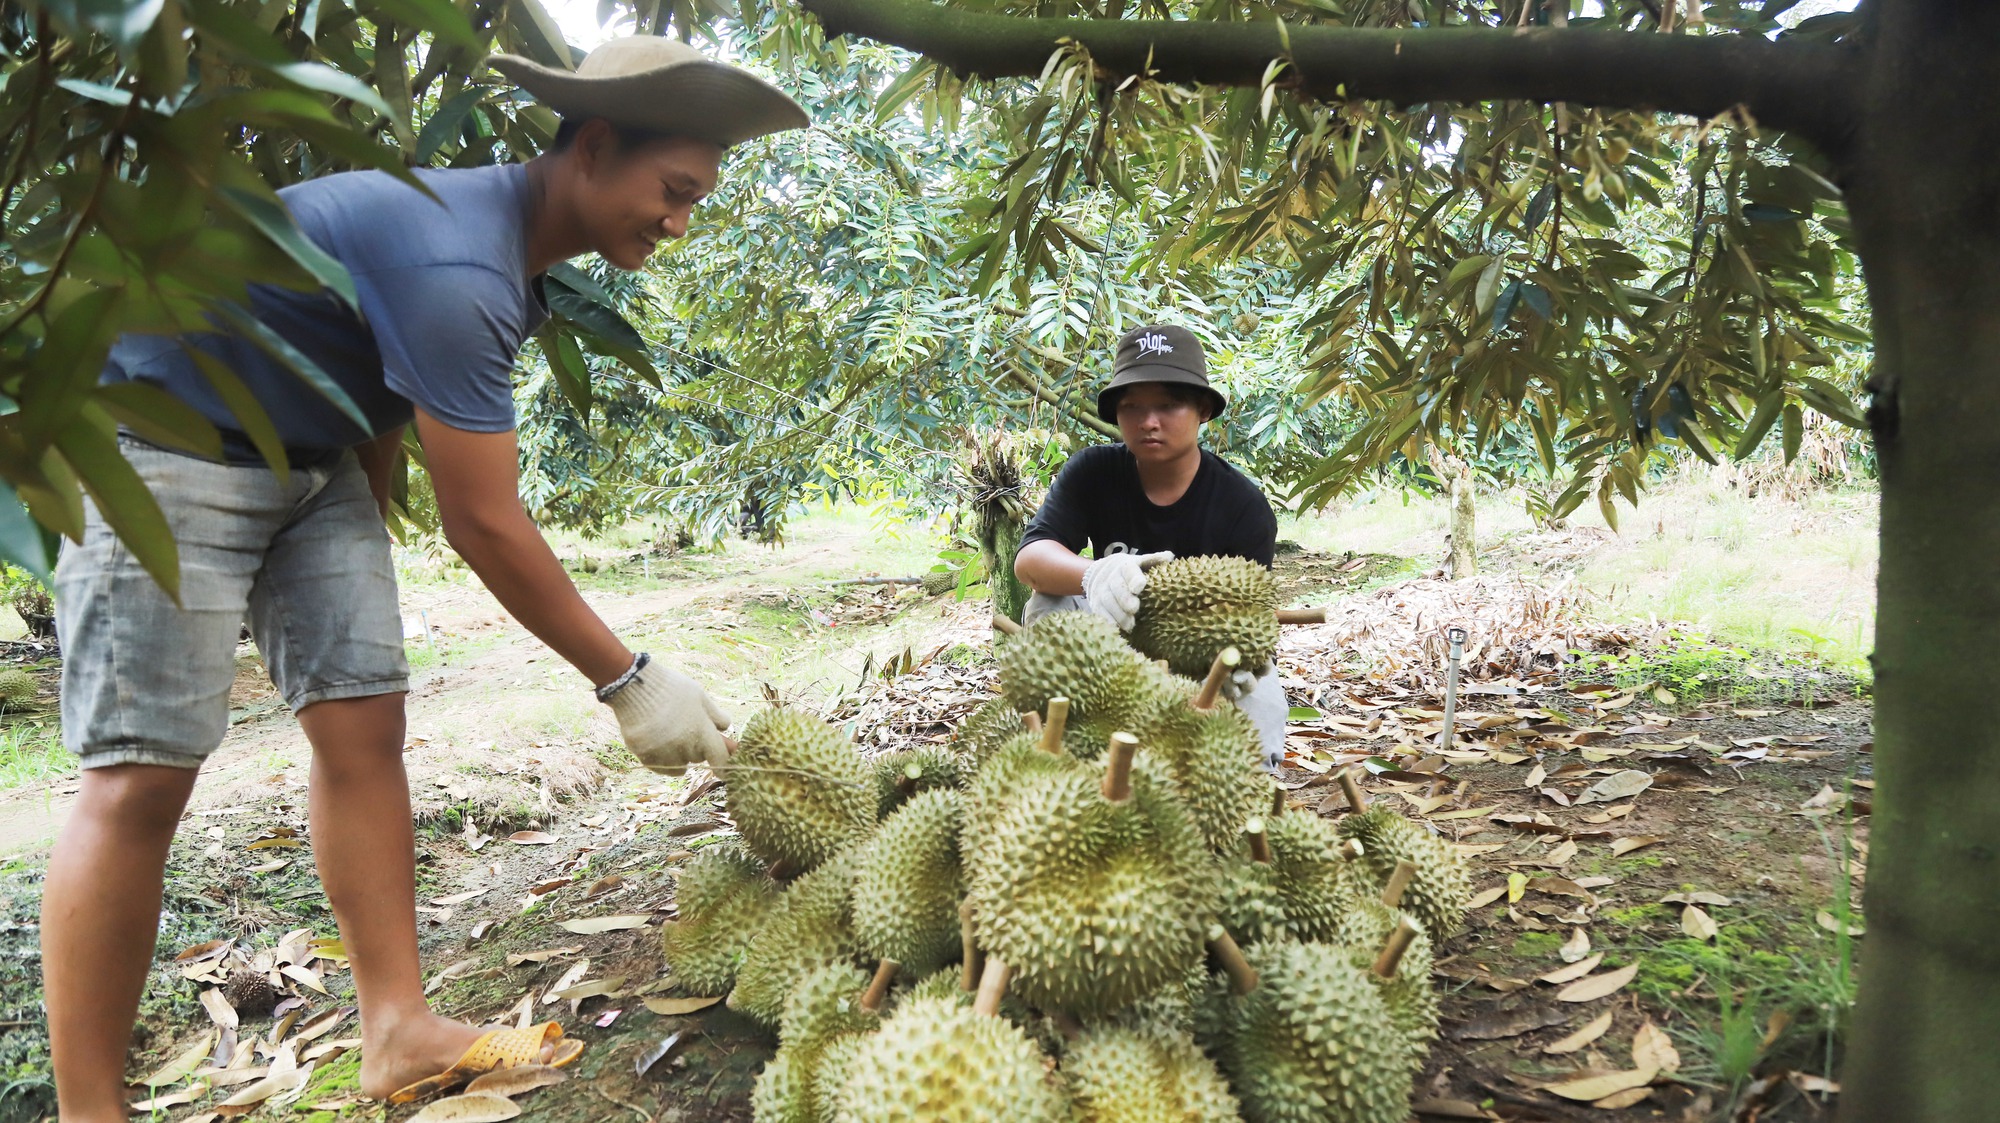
(497, 1049)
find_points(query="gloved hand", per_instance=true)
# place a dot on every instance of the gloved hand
(1239, 683)
(1112, 584)
(667, 719)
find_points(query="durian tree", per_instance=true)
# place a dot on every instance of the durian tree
(1479, 159)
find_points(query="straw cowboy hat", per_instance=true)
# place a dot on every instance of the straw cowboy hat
(650, 82)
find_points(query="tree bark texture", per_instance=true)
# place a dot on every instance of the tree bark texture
(1464, 543)
(1803, 87)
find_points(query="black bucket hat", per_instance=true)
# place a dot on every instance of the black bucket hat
(1158, 353)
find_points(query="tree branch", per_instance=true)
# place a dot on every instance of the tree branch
(1798, 86)
(1033, 386)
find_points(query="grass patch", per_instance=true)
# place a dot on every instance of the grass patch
(32, 753)
(1691, 669)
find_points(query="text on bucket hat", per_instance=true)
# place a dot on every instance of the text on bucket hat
(1158, 353)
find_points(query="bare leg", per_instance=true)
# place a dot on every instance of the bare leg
(366, 850)
(100, 915)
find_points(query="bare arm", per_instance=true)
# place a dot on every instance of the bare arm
(1047, 566)
(377, 458)
(477, 480)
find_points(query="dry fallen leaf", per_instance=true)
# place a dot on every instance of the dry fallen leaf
(1563, 853)
(177, 1070)
(210, 950)
(532, 838)
(674, 1007)
(1485, 897)
(1576, 947)
(1826, 920)
(304, 976)
(1652, 1049)
(223, 1014)
(266, 1088)
(1621, 846)
(568, 979)
(1517, 884)
(180, 1098)
(459, 898)
(473, 1107)
(1626, 1098)
(1594, 987)
(1696, 897)
(1574, 971)
(1617, 786)
(592, 925)
(1598, 1087)
(1698, 924)
(542, 955)
(512, 1082)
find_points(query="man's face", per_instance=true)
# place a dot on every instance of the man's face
(637, 196)
(1157, 426)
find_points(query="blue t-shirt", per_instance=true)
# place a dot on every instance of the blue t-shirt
(446, 302)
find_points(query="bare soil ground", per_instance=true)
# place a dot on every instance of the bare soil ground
(533, 831)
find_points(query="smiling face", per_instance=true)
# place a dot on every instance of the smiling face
(633, 196)
(1159, 421)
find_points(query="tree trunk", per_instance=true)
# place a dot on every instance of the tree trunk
(1924, 190)
(1464, 545)
(999, 541)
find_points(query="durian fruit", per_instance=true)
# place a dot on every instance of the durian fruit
(1314, 872)
(1094, 889)
(797, 789)
(830, 1072)
(250, 992)
(1367, 929)
(936, 1061)
(1192, 608)
(1076, 655)
(1314, 1042)
(810, 926)
(1000, 782)
(723, 896)
(905, 772)
(1213, 758)
(825, 1008)
(984, 730)
(17, 687)
(907, 892)
(938, 582)
(1144, 1074)
(1439, 893)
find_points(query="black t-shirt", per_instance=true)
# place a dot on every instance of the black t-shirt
(1097, 500)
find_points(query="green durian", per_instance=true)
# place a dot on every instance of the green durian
(905, 772)
(907, 893)
(938, 582)
(810, 926)
(17, 687)
(1364, 929)
(1314, 1042)
(783, 1092)
(1000, 781)
(1213, 758)
(984, 730)
(1076, 655)
(1192, 608)
(830, 1072)
(1144, 1074)
(1313, 873)
(723, 896)
(1093, 904)
(935, 1061)
(823, 1009)
(797, 789)
(1438, 894)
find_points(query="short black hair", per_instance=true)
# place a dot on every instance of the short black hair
(627, 137)
(1187, 395)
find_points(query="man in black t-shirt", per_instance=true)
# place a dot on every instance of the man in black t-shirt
(1157, 496)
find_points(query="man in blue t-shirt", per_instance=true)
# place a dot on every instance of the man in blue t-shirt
(288, 533)
(1157, 496)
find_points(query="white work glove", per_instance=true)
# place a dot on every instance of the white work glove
(1238, 684)
(667, 719)
(1112, 584)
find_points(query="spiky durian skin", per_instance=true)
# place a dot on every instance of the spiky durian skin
(797, 789)
(810, 926)
(984, 730)
(999, 783)
(1252, 908)
(17, 687)
(1314, 1043)
(1093, 904)
(933, 767)
(1192, 608)
(1438, 894)
(1363, 930)
(1076, 655)
(1313, 876)
(936, 1061)
(1213, 759)
(723, 895)
(783, 1092)
(830, 1071)
(907, 893)
(1144, 1074)
(824, 1008)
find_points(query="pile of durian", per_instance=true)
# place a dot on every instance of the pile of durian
(1091, 905)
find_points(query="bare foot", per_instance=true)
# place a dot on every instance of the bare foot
(402, 1054)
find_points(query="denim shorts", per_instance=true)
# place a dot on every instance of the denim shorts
(305, 563)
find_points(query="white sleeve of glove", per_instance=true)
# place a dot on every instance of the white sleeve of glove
(1112, 584)
(1238, 684)
(670, 722)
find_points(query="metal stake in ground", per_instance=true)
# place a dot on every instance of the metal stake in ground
(1445, 736)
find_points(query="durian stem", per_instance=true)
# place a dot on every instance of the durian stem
(968, 979)
(1033, 721)
(1005, 626)
(992, 988)
(1392, 952)
(1260, 843)
(1052, 729)
(1398, 883)
(1352, 850)
(1277, 802)
(878, 987)
(1242, 977)
(1118, 771)
(1353, 791)
(1226, 661)
(1302, 616)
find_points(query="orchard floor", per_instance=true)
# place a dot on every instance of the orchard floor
(1723, 884)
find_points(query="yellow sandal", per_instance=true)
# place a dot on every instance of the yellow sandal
(497, 1049)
